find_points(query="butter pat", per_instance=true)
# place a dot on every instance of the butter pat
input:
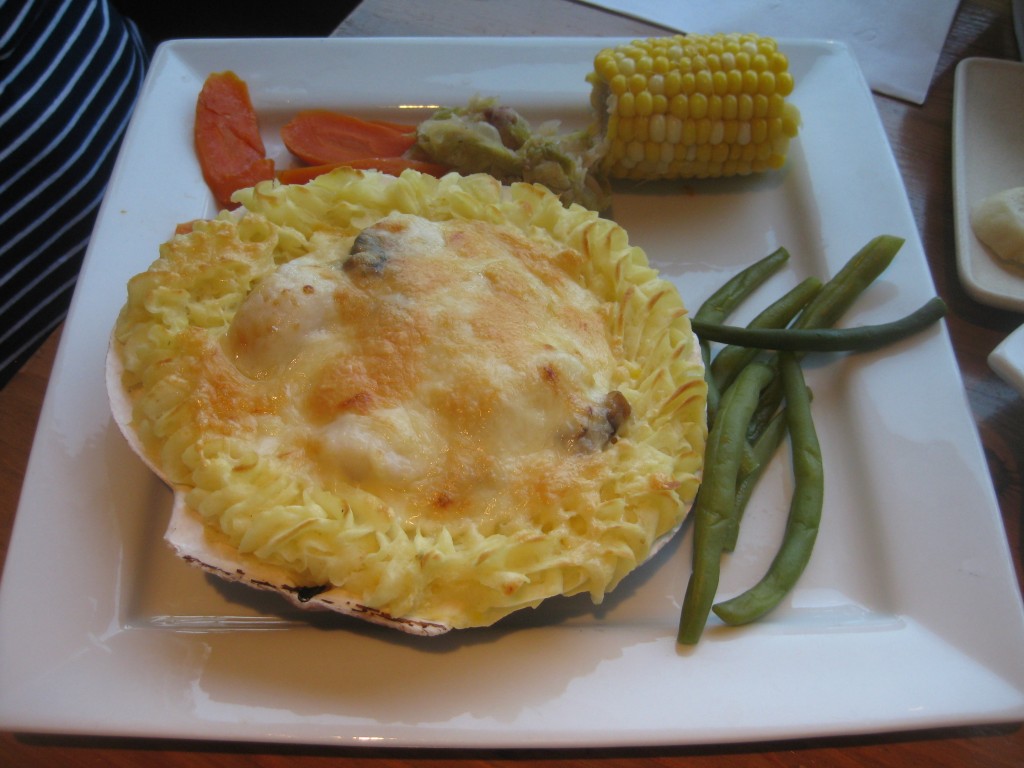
(998, 221)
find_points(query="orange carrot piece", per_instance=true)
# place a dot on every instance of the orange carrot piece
(395, 165)
(391, 165)
(400, 127)
(323, 137)
(227, 137)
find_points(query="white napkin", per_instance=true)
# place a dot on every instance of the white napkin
(896, 42)
(1007, 360)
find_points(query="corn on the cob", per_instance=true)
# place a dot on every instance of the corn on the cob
(694, 106)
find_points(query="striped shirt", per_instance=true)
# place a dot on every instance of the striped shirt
(70, 71)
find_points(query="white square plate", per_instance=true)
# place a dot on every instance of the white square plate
(988, 157)
(909, 615)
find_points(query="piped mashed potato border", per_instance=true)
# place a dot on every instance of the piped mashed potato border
(350, 550)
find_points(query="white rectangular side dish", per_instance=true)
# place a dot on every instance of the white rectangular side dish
(988, 157)
(909, 615)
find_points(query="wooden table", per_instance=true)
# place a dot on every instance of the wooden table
(920, 136)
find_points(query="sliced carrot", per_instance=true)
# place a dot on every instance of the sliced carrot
(400, 127)
(390, 165)
(304, 173)
(395, 165)
(323, 137)
(227, 137)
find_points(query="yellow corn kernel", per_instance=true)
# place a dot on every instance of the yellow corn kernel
(673, 130)
(730, 106)
(698, 105)
(679, 106)
(644, 103)
(704, 82)
(673, 83)
(734, 81)
(745, 107)
(760, 106)
(685, 106)
(643, 127)
(627, 105)
(784, 83)
(656, 130)
(715, 108)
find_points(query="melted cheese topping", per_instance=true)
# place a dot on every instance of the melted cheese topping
(436, 381)
(447, 399)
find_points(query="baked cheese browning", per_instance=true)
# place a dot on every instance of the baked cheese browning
(445, 399)
(431, 372)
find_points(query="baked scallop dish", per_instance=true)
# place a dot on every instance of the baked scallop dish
(425, 402)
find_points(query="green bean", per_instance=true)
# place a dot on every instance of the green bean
(736, 289)
(835, 297)
(767, 406)
(804, 511)
(756, 459)
(714, 395)
(855, 339)
(746, 434)
(720, 304)
(715, 504)
(839, 293)
(731, 359)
